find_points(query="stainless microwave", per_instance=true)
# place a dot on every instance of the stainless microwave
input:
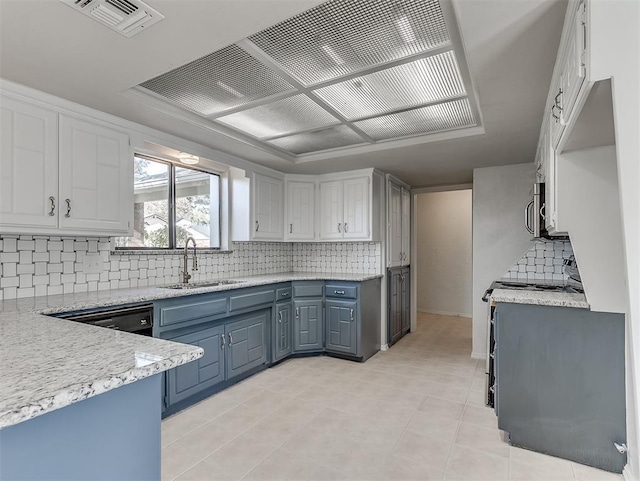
(534, 212)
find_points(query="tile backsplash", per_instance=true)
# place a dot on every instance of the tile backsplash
(46, 265)
(542, 262)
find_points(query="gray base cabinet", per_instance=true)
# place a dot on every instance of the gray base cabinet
(188, 379)
(308, 323)
(342, 326)
(282, 331)
(247, 342)
(399, 303)
(560, 382)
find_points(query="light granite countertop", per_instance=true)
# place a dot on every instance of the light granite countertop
(540, 298)
(48, 363)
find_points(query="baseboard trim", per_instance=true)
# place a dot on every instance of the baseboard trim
(479, 355)
(445, 313)
(384, 347)
(627, 475)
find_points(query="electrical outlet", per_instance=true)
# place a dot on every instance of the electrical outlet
(92, 264)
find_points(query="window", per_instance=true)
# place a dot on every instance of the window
(172, 203)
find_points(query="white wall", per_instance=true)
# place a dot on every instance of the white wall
(443, 261)
(500, 195)
(615, 52)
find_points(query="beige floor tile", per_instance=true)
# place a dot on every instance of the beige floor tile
(587, 473)
(398, 468)
(212, 407)
(470, 465)
(441, 407)
(178, 425)
(528, 465)
(481, 416)
(490, 441)
(476, 398)
(427, 424)
(280, 466)
(412, 446)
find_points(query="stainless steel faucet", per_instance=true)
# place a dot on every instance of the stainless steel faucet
(185, 274)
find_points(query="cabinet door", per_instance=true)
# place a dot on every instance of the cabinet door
(283, 334)
(356, 208)
(191, 378)
(247, 342)
(405, 311)
(395, 306)
(268, 207)
(307, 325)
(573, 71)
(28, 165)
(341, 320)
(406, 227)
(96, 178)
(300, 211)
(395, 225)
(331, 210)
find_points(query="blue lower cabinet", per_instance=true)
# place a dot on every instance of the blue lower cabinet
(191, 378)
(282, 331)
(247, 342)
(307, 325)
(342, 326)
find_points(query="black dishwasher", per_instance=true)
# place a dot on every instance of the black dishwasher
(137, 319)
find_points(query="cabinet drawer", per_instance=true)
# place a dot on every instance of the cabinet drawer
(187, 312)
(346, 292)
(249, 300)
(308, 289)
(283, 294)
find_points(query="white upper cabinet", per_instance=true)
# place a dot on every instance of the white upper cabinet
(356, 221)
(95, 182)
(574, 65)
(344, 209)
(268, 208)
(331, 210)
(28, 166)
(61, 174)
(398, 223)
(300, 224)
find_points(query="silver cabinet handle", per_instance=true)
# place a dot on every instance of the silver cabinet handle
(297, 313)
(290, 228)
(527, 217)
(345, 227)
(280, 317)
(223, 341)
(230, 340)
(68, 214)
(52, 199)
(339, 227)
(284, 294)
(257, 225)
(338, 292)
(351, 314)
(557, 100)
(143, 322)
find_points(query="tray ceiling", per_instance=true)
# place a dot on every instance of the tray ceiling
(344, 74)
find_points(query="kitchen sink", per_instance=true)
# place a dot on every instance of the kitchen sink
(196, 285)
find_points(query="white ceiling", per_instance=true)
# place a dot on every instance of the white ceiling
(511, 47)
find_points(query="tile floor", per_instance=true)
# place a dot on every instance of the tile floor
(415, 412)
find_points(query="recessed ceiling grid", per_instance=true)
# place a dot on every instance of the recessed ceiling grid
(344, 36)
(409, 85)
(219, 81)
(345, 73)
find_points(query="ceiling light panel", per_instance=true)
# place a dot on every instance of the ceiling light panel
(425, 120)
(331, 138)
(409, 85)
(222, 80)
(343, 36)
(287, 116)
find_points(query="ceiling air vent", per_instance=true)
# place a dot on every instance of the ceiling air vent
(127, 17)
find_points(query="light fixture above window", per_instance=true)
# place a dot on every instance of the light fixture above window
(188, 159)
